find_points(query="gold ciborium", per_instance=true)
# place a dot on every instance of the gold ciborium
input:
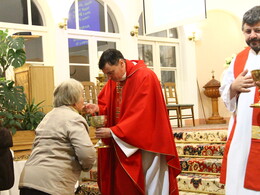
(98, 122)
(256, 77)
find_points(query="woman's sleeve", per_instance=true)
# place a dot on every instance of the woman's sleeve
(82, 143)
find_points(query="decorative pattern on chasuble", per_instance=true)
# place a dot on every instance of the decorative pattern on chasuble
(119, 89)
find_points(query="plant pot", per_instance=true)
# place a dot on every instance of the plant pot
(22, 143)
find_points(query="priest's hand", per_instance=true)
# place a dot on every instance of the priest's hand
(241, 84)
(103, 133)
(257, 83)
(91, 108)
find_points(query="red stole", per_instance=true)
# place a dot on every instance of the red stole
(143, 122)
(253, 164)
(238, 68)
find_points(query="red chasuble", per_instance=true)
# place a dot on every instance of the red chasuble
(142, 122)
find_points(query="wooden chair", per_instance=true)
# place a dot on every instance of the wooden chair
(100, 87)
(90, 92)
(172, 104)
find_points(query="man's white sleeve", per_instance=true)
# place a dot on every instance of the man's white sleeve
(228, 78)
(125, 147)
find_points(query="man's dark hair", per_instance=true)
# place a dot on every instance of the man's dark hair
(110, 56)
(251, 17)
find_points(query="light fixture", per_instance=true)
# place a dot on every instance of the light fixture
(63, 25)
(135, 31)
(192, 32)
(192, 37)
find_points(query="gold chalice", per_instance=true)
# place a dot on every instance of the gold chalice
(256, 77)
(98, 122)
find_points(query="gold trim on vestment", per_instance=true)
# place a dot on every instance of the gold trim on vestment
(256, 132)
(136, 183)
(200, 172)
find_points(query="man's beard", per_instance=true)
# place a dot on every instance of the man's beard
(254, 46)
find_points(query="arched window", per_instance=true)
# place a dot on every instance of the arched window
(91, 15)
(26, 14)
(160, 55)
(88, 18)
(18, 11)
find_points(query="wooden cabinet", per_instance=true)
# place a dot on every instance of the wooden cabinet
(38, 83)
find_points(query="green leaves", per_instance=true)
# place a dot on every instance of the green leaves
(11, 97)
(12, 101)
(10, 121)
(11, 52)
(15, 43)
(32, 116)
(16, 58)
(15, 112)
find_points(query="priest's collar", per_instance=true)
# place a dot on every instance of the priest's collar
(123, 77)
(132, 66)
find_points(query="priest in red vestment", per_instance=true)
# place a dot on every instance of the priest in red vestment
(141, 157)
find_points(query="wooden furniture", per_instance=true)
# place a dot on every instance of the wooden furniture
(38, 83)
(174, 108)
(101, 81)
(212, 91)
(172, 104)
(90, 92)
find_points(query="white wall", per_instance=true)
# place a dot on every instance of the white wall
(236, 7)
(221, 36)
(127, 14)
(57, 39)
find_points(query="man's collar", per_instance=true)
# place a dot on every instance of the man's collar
(124, 77)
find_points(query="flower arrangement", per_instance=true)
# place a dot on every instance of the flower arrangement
(229, 60)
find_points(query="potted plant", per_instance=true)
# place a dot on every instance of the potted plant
(12, 98)
(15, 112)
(12, 103)
(32, 115)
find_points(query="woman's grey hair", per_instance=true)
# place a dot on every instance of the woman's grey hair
(251, 17)
(67, 93)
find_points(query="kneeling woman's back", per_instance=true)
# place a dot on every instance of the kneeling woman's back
(62, 147)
